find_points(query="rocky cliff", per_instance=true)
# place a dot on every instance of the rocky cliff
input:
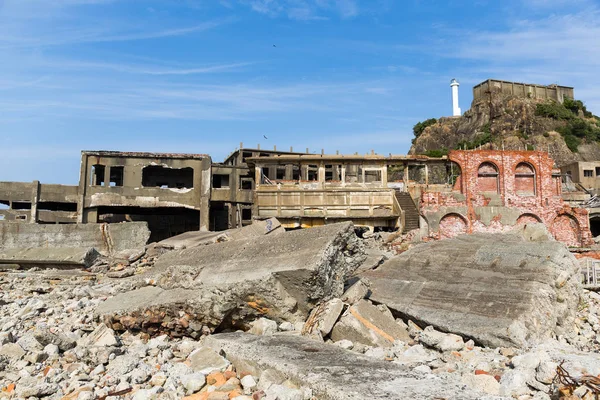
(569, 132)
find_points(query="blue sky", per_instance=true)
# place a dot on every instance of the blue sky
(201, 76)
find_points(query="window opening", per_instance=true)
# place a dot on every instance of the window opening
(280, 173)
(372, 176)
(354, 173)
(21, 205)
(246, 214)
(97, 178)
(220, 181)
(164, 177)
(487, 176)
(588, 173)
(116, 176)
(333, 173)
(312, 172)
(295, 172)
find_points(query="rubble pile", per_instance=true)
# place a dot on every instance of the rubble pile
(297, 315)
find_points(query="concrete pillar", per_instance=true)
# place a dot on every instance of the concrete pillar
(384, 176)
(35, 196)
(90, 216)
(205, 184)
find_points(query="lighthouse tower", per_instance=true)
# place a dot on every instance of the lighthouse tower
(455, 108)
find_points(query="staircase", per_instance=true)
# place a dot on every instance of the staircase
(411, 213)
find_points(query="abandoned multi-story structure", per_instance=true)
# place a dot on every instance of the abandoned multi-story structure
(468, 191)
(554, 92)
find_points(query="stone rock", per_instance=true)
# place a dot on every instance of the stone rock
(205, 360)
(309, 365)
(496, 288)
(483, 383)
(193, 382)
(40, 390)
(263, 326)
(286, 327)
(45, 337)
(365, 323)
(442, 341)
(12, 351)
(102, 336)
(122, 365)
(29, 343)
(323, 317)
(279, 277)
(356, 292)
(345, 344)
(514, 383)
(248, 382)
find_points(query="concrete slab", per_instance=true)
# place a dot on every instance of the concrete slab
(106, 238)
(334, 373)
(498, 289)
(228, 285)
(189, 240)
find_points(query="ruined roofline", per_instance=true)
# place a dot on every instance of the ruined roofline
(343, 157)
(524, 84)
(136, 154)
(237, 151)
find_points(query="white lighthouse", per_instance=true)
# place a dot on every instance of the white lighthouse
(455, 108)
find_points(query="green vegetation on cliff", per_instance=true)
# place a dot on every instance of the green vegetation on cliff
(576, 128)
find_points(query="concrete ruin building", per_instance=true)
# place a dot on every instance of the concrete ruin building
(468, 191)
(553, 92)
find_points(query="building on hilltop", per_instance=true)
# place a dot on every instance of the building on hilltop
(553, 92)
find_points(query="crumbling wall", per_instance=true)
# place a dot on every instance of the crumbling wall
(500, 189)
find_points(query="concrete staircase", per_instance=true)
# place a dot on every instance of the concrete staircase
(411, 212)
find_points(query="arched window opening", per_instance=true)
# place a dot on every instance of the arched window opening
(487, 178)
(525, 179)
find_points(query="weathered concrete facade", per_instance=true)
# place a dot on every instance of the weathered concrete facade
(584, 173)
(312, 190)
(38, 203)
(499, 189)
(469, 191)
(232, 188)
(554, 92)
(169, 191)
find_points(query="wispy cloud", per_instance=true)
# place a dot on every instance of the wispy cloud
(53, 37)
(305, 10)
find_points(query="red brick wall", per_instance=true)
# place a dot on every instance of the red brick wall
(535, 198)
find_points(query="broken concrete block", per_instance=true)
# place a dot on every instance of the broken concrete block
(101, 336)
(365, 323)
(441, 341)
(498, 289)
(309, 365)
(230, 284)
(49, 257)
(358, 291)
(263, 326)
(12, 351)
(190, 240)
(323, 317)
(205, 360)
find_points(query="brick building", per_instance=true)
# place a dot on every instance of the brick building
(497, 190)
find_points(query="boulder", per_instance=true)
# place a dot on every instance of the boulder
(365, 323)
(228, 285)
(499, 289)
(331, 372)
